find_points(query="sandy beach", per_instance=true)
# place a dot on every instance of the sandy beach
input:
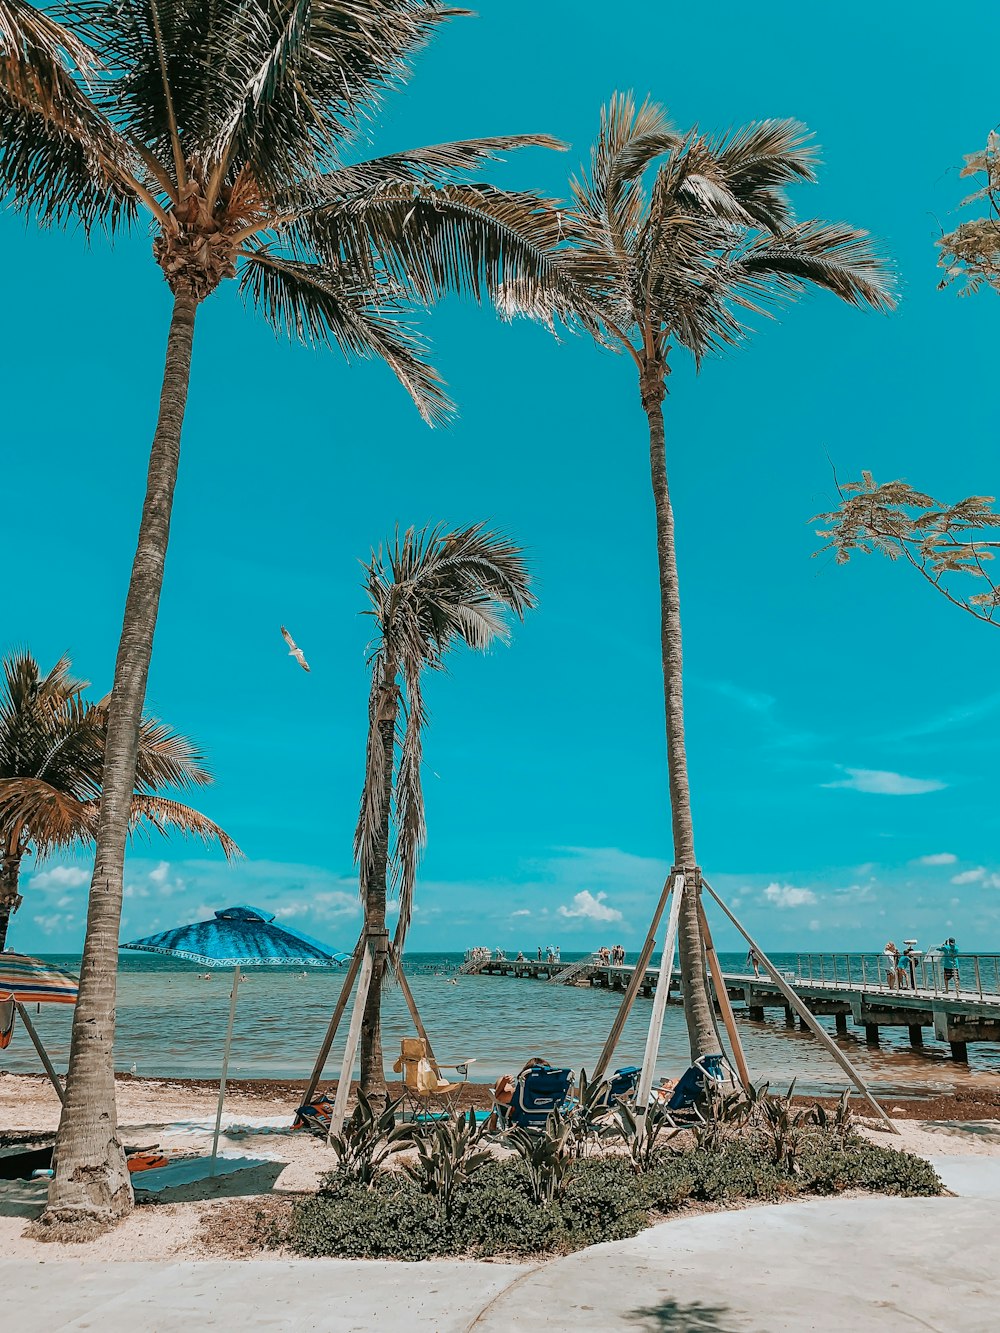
(192, 1222)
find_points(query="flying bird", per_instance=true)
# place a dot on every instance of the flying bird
(294, 650)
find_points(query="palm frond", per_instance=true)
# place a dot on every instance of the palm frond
(437, 164)
(320, 306)
(34, 811)
(839, 258)
(166, 816)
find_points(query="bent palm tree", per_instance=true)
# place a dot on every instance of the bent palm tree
(428, 592)
(674, 236)
(228, 126)
(51, 762)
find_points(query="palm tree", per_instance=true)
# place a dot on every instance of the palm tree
(228, 129)
(674, 237)
(429, 591)
(51, 759)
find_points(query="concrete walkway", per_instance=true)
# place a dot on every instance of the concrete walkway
(830, 1265)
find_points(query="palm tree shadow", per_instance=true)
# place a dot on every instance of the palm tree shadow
(693, 1317)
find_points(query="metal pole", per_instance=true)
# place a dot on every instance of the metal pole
(806, 1016)
(338, 1013)
(225, 1068)
(350, 1049)
(979, 980)
(635, 984)
(864, 973)
(43, 1054)
(660, 999)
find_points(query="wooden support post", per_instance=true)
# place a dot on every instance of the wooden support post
(789, 1017)
(803, 1025)
(43, 1054)
(338, 1013)
(960, 1052)
(411, 1004)
(796, 1003)
(351, 1048)
(660, 1000)
(722, 995)
(634, 985)
(841, 1022)
(871, 1034)
(916, 1036)
(756, 1013)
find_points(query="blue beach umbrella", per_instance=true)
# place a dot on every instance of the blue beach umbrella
(238, 937)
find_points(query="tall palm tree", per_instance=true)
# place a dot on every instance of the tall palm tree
(676, 236)
(227, 128)
(51, 761)
(429, 591)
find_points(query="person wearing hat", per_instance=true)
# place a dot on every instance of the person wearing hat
(949, 963)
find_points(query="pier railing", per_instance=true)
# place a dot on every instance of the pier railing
(978, 973)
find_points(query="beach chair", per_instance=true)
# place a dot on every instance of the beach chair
(315, 1117)
(423, 1085)
(538, 1093)
(710, 1073)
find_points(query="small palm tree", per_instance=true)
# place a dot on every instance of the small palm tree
(51, 761)
(429, 591)
(675, 238)
(228, 128)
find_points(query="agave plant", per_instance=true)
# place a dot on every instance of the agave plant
(547, 1154)
(230, 130)
(369, 1137)
(449, 1153)
(52, 744)
(677, 238)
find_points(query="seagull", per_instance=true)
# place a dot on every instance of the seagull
(296, 651)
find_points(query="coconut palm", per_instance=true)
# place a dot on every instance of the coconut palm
(51, 760)
(429, 591)
(677, 238)
(228, 128)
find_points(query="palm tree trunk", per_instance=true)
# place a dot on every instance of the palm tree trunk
(372, 1063)
(697, 1005)
(10, 899)
(91, 1181)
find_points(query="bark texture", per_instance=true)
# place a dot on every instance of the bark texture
(697, 1004)
(10, 899)
(375, 891)
(91, 1181)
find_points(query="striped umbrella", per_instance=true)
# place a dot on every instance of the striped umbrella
(25, 980)
(30, 981)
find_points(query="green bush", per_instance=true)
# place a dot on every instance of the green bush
(827, 1167)
(603, 1200)
(495, 1213)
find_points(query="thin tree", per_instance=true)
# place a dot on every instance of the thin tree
(51, 761)
(429, 591)
(677, 238)
(944, 543)
(228, 128)
(971, 253)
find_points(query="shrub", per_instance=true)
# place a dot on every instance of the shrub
(346, 1220)
(829, 1166)
(603, 1200)
(496, 1214)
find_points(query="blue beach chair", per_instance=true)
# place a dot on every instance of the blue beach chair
(539, 1092)
(709, 1073)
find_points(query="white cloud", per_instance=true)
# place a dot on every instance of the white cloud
(52, 922)
(325, 906)
(979, 875)
(61, 877)
(937, 859)
(880, 782)
(159, 875)
(522, 911)
(593, 909)
(784, 896)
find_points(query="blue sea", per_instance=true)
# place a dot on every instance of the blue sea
(171, 1023)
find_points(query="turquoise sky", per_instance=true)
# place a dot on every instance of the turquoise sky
(842, 724)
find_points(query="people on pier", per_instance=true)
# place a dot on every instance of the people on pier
(949, 963)
(753, 961)
(895, 972)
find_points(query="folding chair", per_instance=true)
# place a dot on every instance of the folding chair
(708, 1073)
(423, 1083)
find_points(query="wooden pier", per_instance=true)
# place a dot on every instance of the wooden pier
(849, 987)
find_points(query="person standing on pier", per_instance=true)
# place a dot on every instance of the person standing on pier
(949, 964)
(754, 962)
